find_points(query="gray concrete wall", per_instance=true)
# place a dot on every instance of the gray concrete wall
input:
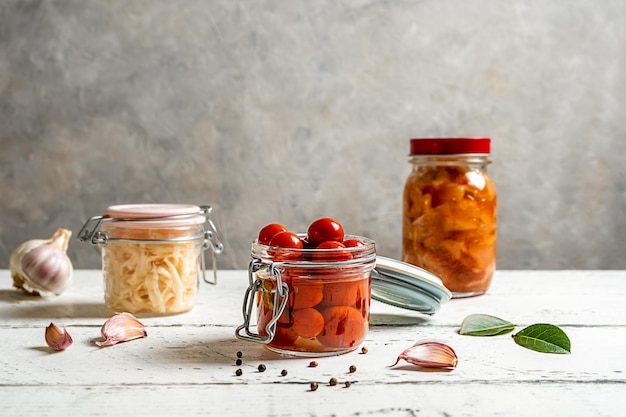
(292, 110)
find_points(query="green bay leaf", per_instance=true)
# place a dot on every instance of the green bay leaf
(485, 325)
(542, 337)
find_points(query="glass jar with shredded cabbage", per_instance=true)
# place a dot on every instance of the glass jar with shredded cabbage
(152, 257)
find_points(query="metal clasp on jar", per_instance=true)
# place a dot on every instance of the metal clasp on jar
(90, 232)
(281, 295)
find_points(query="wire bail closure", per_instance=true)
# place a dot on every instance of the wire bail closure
(281, 295)
(90, 232)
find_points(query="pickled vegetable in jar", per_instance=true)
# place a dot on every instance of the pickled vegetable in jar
(152, 255)
(449, 213)
(311, 301)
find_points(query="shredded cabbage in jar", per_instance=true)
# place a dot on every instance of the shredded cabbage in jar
(151, 277)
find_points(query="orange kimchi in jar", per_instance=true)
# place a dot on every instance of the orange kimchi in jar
(449, 213)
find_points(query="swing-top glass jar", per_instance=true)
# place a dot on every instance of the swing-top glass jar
(152, 255)
(309, 302)
(449, 213)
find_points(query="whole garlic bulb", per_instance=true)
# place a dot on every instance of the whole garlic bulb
(42, 266)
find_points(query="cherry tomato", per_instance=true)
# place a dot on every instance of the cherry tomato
(284, 337)
(343, 327)
(302, 293)
(325, 229)
(332, 251)
(287, 240)
(268, 232)
(307, 322)
(331, 244)
(286, 246)
(353, 243)
(345, 293)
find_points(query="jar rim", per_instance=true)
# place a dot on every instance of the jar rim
(450, 146)
(304, 256)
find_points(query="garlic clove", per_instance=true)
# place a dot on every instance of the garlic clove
(41, 267)
(122, 327)
(430, 355)
(56, 338)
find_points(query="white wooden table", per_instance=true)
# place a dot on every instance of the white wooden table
(186, 365)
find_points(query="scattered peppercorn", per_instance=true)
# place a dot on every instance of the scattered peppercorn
(262, 368)
(364, 350)
(238, 362)
(352, 369)
(332, 382)
(238, 372)
(313, 386)
(348, 383)
(283, 372)
(239, 354)
(313, 364)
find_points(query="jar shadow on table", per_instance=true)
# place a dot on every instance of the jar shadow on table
(219, 351)
(46, 308)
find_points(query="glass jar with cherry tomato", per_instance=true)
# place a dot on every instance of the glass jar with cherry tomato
(311, 292)
(449, 213)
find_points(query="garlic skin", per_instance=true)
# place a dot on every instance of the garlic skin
(56, 338)
(433, 355)
(122, 327)
(41, 266)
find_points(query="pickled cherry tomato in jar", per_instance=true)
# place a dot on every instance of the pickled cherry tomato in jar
(309, 301)
(449, 213)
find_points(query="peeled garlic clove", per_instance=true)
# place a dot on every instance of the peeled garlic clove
(56, 338)
(41, 267)
(430, 355)
(122, 327)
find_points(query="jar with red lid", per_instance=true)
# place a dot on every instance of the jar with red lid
(152, 255)
(309, 302)
(449, 213)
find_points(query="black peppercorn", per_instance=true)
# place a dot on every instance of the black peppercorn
(313, 386)
(238, 372)
(352, 369)
(239, 354)
(332, 382)
(283, 372)
(238, 362)
(262, 368)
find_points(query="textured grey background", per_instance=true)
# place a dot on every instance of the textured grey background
(292, 110)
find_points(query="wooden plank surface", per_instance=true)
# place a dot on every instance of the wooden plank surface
(396, 400)
(187, 363)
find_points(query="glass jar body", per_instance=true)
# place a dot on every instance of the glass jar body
(449, 220)
(327, 309)
(153, 270)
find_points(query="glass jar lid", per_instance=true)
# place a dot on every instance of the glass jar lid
(407, 286)
(451, 146)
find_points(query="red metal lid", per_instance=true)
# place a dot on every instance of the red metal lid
(450, 146)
